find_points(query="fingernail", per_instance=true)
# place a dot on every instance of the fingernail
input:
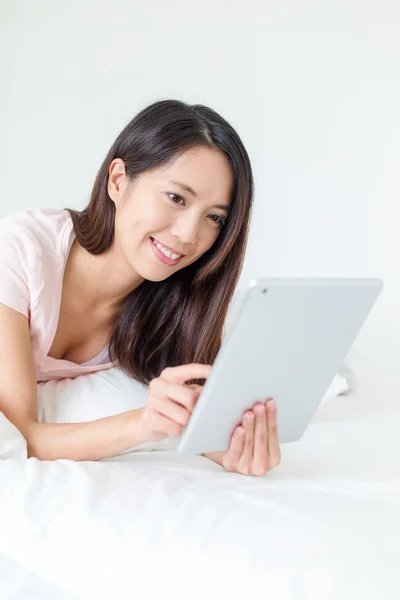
(271, 404)
(260, 410)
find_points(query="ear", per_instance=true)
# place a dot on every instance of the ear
(117, 180)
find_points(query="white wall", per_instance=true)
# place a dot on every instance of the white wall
(312, 87)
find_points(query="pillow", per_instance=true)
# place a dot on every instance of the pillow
(97, 395)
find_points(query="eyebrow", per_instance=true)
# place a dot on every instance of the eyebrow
(189, 189)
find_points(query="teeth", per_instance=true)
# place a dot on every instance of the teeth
(166, 252)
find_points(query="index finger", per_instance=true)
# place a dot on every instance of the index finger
(184, 373)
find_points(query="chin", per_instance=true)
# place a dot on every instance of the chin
(156, 279)
(152, 275)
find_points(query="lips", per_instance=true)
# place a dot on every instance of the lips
(167, 247)
(161, 257)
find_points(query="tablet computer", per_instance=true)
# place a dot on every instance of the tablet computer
(288, 340)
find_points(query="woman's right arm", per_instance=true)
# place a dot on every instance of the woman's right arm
(168, 408)
(19, 403)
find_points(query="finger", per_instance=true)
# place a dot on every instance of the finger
(164, 425)
(235, 450)
(184, 373)
(195, 387)
(260, 455)
(171, 409)
(274, 451)
(182, 394)
(246, 459)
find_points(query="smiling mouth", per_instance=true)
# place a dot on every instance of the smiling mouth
(165, 249)
(165, 255)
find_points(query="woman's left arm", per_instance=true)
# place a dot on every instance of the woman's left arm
(254, 448)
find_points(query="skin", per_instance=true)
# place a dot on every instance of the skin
(145, 209)
(254, 447)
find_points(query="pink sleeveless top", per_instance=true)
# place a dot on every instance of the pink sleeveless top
(34, 247)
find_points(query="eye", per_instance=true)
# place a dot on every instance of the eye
(221, 221)
(217, 219)
(176, 196)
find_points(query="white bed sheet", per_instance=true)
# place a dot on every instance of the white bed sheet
(18, 582)
(324, 524)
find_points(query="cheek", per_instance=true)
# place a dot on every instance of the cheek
(133, 214)
(206, 241)
(135, 225)
(211, 235)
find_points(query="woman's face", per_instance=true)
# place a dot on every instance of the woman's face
(157, 218)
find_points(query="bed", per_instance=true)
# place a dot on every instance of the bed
(152, 523)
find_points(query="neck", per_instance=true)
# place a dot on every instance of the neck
(99, 280)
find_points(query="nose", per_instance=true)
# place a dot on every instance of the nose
(186, 228)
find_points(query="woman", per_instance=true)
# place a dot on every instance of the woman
(141, 278)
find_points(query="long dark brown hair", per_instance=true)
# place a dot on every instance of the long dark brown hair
(181, 319)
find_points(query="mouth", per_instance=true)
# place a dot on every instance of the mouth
(165, 254)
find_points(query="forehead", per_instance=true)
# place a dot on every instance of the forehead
(206, 170)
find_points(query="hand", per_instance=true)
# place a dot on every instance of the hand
(171, 401)
(254, 447)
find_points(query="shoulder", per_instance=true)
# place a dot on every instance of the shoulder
(37, 231)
